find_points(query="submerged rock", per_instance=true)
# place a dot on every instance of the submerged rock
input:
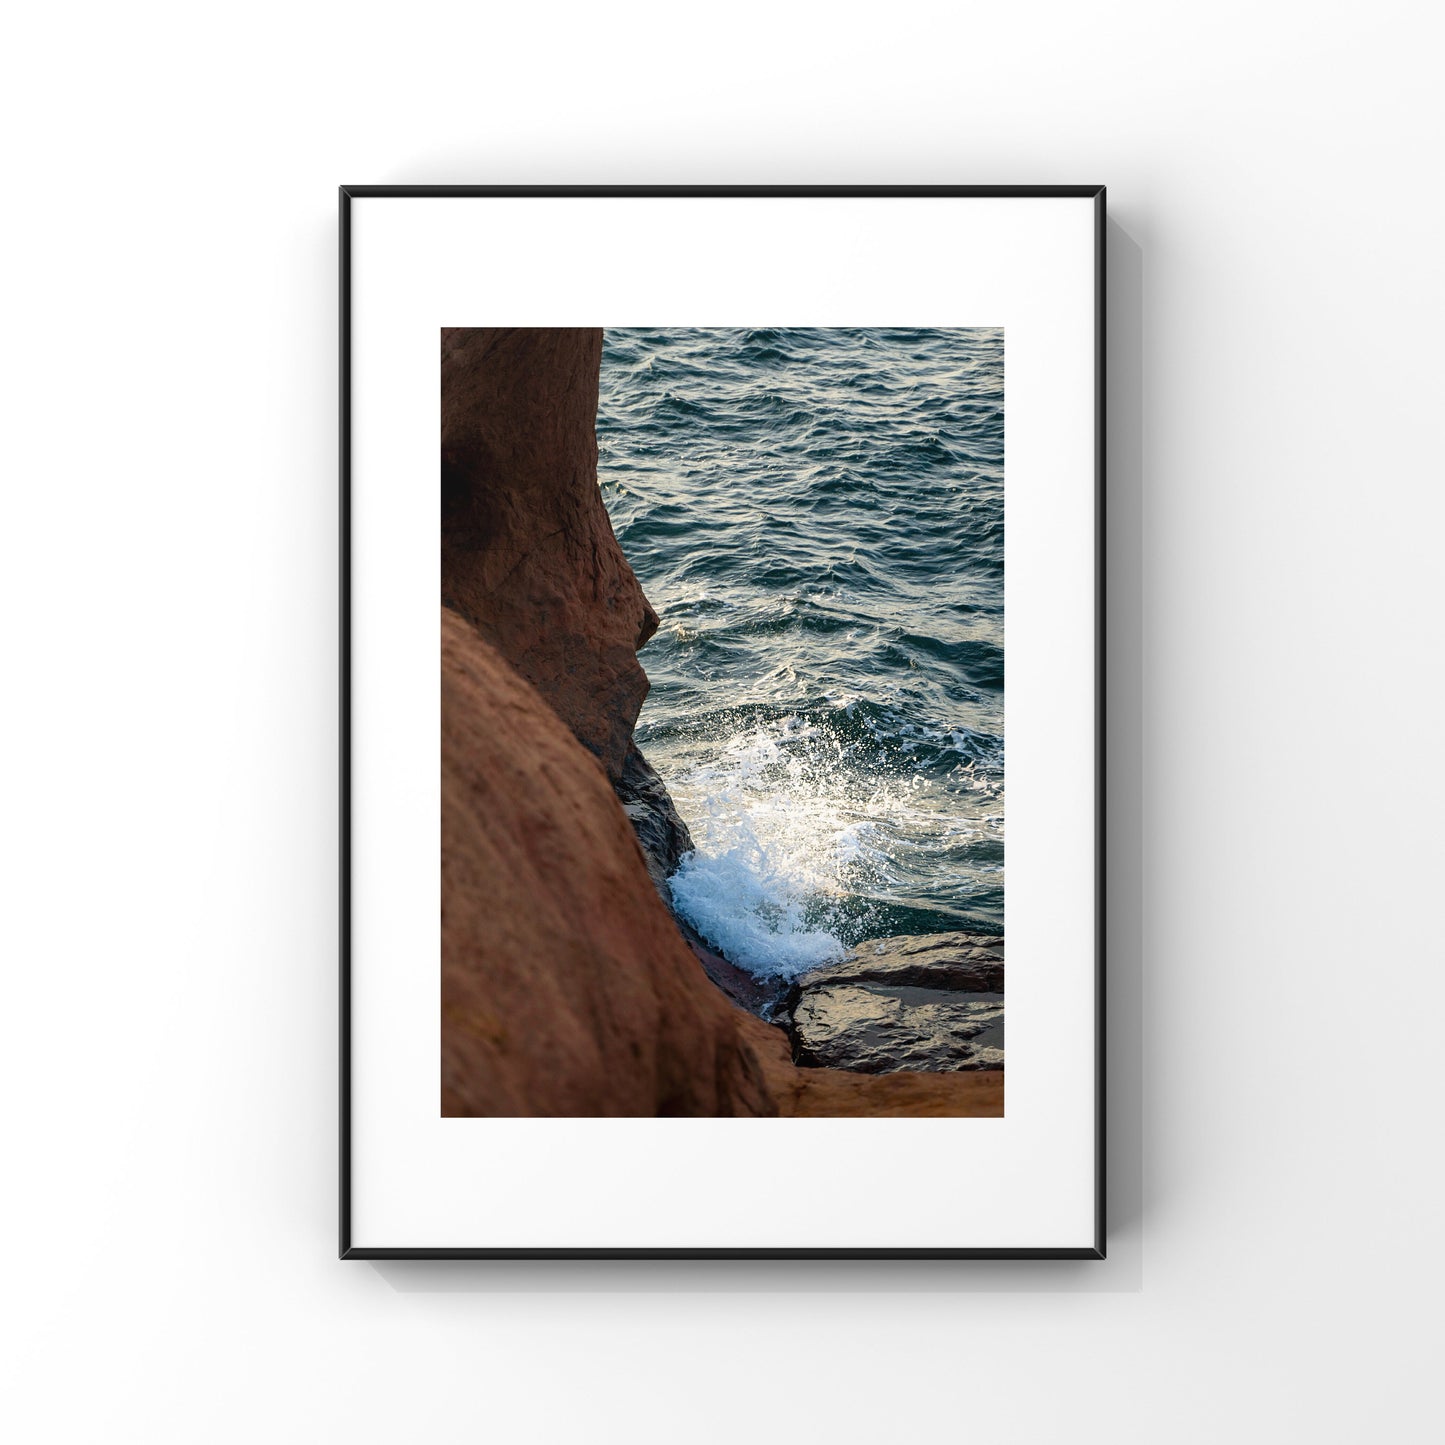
(932, 1002)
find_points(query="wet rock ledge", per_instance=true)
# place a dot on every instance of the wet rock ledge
(932, 1001)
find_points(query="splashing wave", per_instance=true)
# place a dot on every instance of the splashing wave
(817, 516)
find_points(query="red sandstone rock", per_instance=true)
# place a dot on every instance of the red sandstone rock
(528, 553)
(566, 987)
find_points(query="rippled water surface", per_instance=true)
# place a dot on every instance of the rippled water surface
(817, 516)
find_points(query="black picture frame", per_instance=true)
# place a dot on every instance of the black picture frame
(348, 1250)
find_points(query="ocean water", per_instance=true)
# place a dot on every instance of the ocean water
(817, 516)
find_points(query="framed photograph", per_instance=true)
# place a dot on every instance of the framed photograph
(722, 570)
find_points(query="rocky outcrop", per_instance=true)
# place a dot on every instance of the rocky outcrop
(527, 551)
(566, 987)
(932, 1002)
(660, 830)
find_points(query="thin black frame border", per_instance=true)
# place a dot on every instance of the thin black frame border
(347, 194)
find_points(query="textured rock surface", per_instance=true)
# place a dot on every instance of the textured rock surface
(758, 996)
(932, 1002)
(528, 553)
(566, 988)
(967, 962)
(659, 827)
(833, 1093)
(877, 1030)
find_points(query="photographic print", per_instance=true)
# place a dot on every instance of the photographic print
(719, 698)
(722, 712)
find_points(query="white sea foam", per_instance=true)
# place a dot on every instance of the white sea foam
(783, 827)
(759, 884)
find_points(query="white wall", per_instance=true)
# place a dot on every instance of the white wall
(168, 579)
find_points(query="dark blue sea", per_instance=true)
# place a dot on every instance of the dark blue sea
(818, 518)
